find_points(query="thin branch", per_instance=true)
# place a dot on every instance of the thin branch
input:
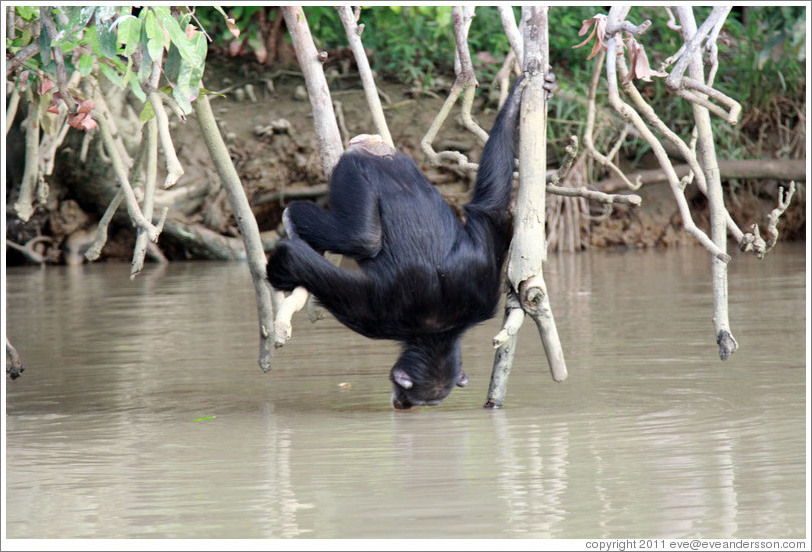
(327, 132)
(32, 254)
(247, 224)
(685, 86)
(21, 57)
(354, 31)
(465, 82)
(59, 61)
(632, 116)
(15, 367)
(589, 131)
(174, 170)
(129, 196)
(775, 214)
(11, 108)
(512, 31)
(24, 206)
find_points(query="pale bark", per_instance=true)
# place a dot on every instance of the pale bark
(528, 248)
(354, 31)
(719, 216)
(330, 150)
(247, 224)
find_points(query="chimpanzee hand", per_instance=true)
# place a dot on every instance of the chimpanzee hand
(281, 264)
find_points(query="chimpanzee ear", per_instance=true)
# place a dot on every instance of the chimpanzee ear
(403, 379)
(463, 381)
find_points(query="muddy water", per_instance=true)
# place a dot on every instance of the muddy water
(142, 413)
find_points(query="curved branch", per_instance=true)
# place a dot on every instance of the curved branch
(247, 224)
(354, 31)
(632, 116)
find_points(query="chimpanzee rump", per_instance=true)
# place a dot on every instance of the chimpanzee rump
(425, 276)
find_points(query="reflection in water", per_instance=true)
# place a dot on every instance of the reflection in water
(143, 413)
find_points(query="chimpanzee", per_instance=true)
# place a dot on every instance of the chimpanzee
(425, 276)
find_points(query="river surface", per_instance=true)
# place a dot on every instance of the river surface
(142, 412)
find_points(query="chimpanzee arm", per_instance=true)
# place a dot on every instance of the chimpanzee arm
(344, 293)
(494, 179)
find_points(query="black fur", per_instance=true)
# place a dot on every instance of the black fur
(425, 277)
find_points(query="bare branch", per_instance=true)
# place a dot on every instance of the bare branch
(465, 83)
(24, 206)
(59, 61)
(775, 214)
(370, 90)
(706, 151)
(632, 116)
(684, 86)
(174, 170)
(327, 132)
(505, 344)
(512, 31)
(129, 196)
(246, 222)
(32, 254)
(11, 108)
(15, 367)
(528, 248)
(589, 131)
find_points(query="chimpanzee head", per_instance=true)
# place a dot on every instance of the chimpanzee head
(426, 372)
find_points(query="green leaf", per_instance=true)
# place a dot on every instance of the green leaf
(112, 75)
(147, 113)
(178, 38)
(44, 45)
(92, 40)
(172, 64)
(129, 34)
(137, 90)
(85, 64)
(155, 39)
(107, 39)
(204, 419)
(27, 12)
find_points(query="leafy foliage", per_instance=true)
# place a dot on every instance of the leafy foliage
(117, 43)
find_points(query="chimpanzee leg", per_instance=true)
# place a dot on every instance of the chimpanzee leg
(351, 227)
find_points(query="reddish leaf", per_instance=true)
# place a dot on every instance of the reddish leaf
(640, 67)
(598, 31)
(86, 106)
(190, 31)
(88, 123)
(45, 86)
(76, 120)
(232, 26)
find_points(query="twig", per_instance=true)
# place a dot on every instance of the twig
(174, 170)
(30, 253)
(775, 214)
(589, 131)
(354, 31)
(465, 82)
(59, 62)
(247, 224)
(684, 86)
(11, 109)
(150, 155)
(24, 206)
(632, 116)
(15, 367)
(129, 196)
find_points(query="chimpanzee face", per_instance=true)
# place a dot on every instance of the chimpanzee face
(407, 392)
